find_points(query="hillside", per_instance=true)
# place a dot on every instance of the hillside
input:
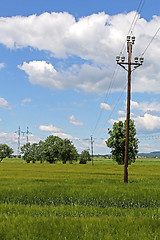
(150, 155)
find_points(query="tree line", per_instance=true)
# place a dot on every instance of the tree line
(55, 149)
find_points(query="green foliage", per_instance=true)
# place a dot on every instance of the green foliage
(30, 152)
(53, 149)
(5, 151)
(68, 152)
(84, 157)
(117, 142)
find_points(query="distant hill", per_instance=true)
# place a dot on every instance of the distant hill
(150, 155)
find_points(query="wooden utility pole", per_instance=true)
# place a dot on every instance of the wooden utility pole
(136, 64)
(128, 113)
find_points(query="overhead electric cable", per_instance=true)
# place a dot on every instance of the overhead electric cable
(117, 102)
(150, 41)
(139, 9)
(106, 96)
(135, 19)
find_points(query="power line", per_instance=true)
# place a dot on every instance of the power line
(134, 22)
(107, 96)
(117, 102)
(150, 42)
(115, 73)
(139, 10)
(148, 137)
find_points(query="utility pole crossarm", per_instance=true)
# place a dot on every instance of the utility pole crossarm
(137, 63)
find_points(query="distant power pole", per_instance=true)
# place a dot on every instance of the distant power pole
(92, 149)
(136, 64)
(19, 141)
(28, 133)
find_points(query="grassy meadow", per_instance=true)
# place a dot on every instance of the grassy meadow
(74, 201)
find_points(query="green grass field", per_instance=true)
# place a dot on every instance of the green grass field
(45, 202)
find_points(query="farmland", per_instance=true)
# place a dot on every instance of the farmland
(73, 201)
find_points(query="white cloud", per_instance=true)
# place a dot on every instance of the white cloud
(2, 65)
(146, 106)
(56, 132)
(64, 135)
(87, 77)
(8, 138)
(42, 73)
(11, 139)
(148, 147)
(4, 103)
(27, 100)
(105, 106)
(50, 128)
(75, 121)
(121, 113)
(98, 37)
(61, 34)
(147, 123)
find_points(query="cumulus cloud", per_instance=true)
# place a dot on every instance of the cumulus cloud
(121, 113)
(11, 139)
(42, 73)
(147, 123)
(148, 107)
(4, 103)
(98, 37)
(61, 34)
(105, 106)
(50, 128)
(56, 132)
(86, 77)
(8, 138)
(64, 135)
(27, 100)
(75, 121)
(2, 65)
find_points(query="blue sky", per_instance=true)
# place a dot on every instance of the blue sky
(57, 64)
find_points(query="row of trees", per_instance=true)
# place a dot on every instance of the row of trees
(55, 149)
(52, 150)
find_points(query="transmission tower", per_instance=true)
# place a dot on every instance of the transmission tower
(19, 140)
(28, 133)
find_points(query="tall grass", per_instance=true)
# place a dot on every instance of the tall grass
(43, 201)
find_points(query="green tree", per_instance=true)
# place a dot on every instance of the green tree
(5, 151)
(117, 142)
(28, 152)
(84, 157)
(68, 152)
(52, 148)
(32, 152)
(39, 152)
